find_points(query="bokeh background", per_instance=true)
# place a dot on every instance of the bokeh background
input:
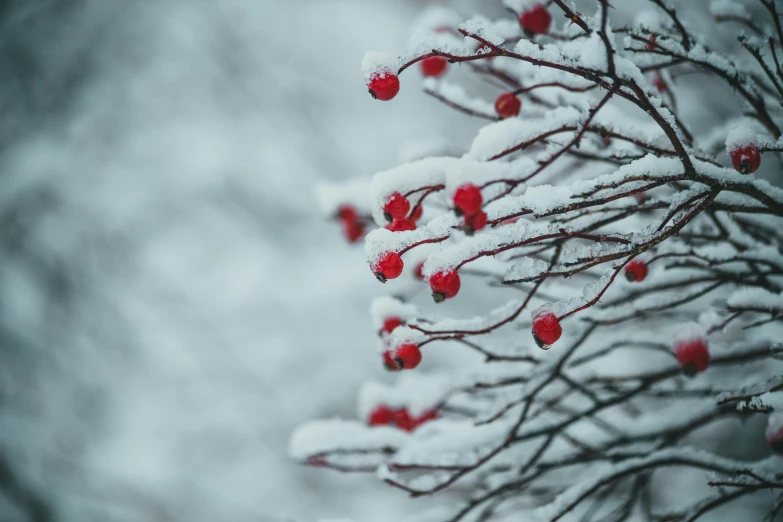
(172, 305)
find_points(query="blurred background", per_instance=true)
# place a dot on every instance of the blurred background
(171, 303)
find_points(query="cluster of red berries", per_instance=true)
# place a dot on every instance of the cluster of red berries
(467, 203)
(507, 105)
(353, 226)
(396, 209)
(693, 355)
(385, 85)
(384, 415)
(405, 357)
(746, 160)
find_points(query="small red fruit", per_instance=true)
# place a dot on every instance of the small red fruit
(347, 212)
(651, 45)
(396, 206)
(384, 86)
(407, 356)
(388, 266)
(475, 222)
(400, 225)
(404, 420)
(427, 415)
(390, 323)
(417, 212)
(641, 197)
(659, 84)
(536, 20)
(434, 66)
(746, 160)
(692, 355)
(546, 329)
(467, 199)
(636, 271)
(353, 229)
(388, 362)
(445, 285)
(774, 433)
(382, 415)
(419, 271)
(507, 105)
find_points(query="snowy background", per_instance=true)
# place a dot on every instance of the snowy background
(172, 305)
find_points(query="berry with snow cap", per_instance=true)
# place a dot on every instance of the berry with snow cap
(390, 323)
(546, 329)
(692, 355)
(384, 86)
(507, 105)
(636, 271)
(467, 199)
(396, 207)
(388, 266)
(746, 160)
(445, 285)
(536, 20)
(434, 66)
(407, 356)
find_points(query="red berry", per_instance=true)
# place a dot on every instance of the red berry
(384, 86)
(746, 159)
(507, 105)
(467, 199)
(388, 361)
(404, 420)
(400, 225)
(419, 271)
(546, 329)
(388, 266)
(417, 212)
(407, 356)
(434, 66)
(659, 84)
(347, 212)
(390, 323)
(475, 222)
(396, 206)
(636, 270)
(774, 433)
(382, 415)
(427, 415)
(651, 43)
(353, 229)
(536, 20)
(641, 197)
(692, 355)
(445, 285)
